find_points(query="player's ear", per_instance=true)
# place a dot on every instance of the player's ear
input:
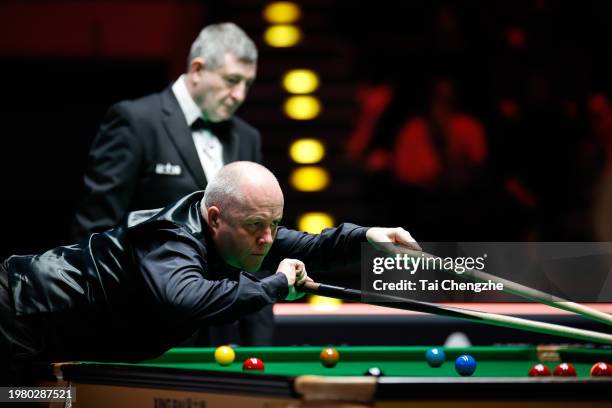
(213, 217)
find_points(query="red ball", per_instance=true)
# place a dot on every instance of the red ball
(539, 370)
(601, 369)
(329, 357)
(564, 370)
(253, 363)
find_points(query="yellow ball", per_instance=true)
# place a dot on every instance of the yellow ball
(224, 355)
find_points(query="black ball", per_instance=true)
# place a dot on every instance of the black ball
(374, 372)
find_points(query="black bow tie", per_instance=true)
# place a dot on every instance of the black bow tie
(218, 129)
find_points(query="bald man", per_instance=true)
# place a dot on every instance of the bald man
(131, 293)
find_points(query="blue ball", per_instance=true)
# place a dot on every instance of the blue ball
(435, 357)
(465, 364)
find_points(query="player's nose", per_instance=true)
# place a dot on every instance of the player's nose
(266, 238)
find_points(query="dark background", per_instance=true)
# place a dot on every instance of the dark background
(63, 63)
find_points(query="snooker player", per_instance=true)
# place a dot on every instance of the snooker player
(131, 293)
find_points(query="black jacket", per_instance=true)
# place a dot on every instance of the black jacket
(134, 160)
(132, 293)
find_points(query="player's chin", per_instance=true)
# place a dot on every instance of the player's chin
(253, 265)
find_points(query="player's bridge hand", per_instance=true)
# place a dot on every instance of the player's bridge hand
(402, 240)
(295, 271)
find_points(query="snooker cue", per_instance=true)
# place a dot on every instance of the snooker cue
(525, 291)
(456, 312)
(536, 295)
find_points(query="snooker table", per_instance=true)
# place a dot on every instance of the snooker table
(294, 376)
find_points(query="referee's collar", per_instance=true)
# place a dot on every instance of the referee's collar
(191, 111)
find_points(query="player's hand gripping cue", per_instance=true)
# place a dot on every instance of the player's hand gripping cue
(295, 271)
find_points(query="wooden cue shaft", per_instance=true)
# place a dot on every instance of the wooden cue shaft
(456, 312)
(534, 294)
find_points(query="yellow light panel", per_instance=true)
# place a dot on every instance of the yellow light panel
(303, 107)
(307, 151)
(324, 304)
(282, 12)
(315, 222)
(301, 81)
(282, 35)
(309, 178)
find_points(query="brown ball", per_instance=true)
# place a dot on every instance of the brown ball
(329, 357)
